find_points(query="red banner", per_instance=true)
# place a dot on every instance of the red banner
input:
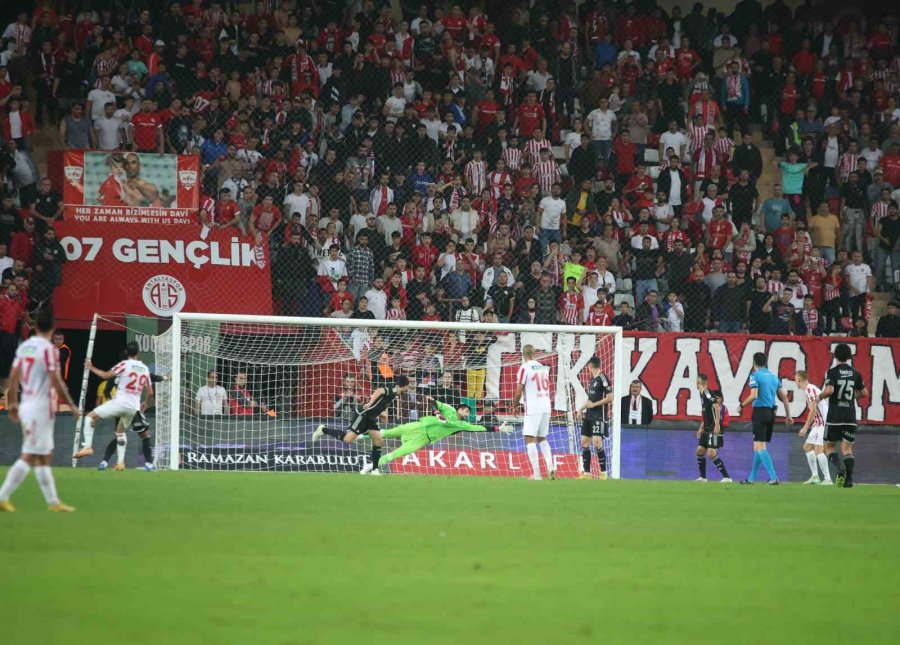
(668, 365)
(128, 187)
(144, 269)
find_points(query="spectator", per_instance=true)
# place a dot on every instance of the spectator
(650, 313)
(636, 409)
(242, 402)
(376, 299)
(729, 306)
(550, 217)
(211, 399)
(860, 283)
(889, 324)
(75, 129)
(782, 313)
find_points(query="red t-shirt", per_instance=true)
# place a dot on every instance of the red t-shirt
(225, 211)
(337, 299)
(720, 232)
(146, 127)
(454, 25)
(487, 110)
(891, 166)
(265, 219)
(624, 156)
(530, 117)
(804, 62)
(425, 256)
(11, 312)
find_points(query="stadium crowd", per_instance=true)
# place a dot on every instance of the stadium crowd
(520, 161)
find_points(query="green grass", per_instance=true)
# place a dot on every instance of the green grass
(281, 558)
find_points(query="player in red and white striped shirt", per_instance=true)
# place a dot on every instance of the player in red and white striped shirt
(476, 174)
(546, 171)
(814, 446)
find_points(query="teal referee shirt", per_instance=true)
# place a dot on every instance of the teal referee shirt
(766, 385)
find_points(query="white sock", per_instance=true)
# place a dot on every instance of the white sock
(532, 451)
(822, 458)
(811, 458)
(44, 476)
(88, 437)
(16, 475)
(121, 442)
(548, 456)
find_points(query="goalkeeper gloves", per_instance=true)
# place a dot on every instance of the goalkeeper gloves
(505, 427)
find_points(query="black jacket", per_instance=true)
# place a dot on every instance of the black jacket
(646, 410)
(664, 183)
(748, 159)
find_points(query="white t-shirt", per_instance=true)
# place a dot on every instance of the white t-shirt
(601, 124)
(108, 132)
(465, 222)
(37, 359)
(573, 140)
(334, 270)
(857, 276)
(99, 98)
(551, 212)
(295, 203)
(212, 400)
(357, 223)
(675, 323)
(377, 302)
(131, 378)
(672, 140)
(536, 379)
(388, 226)
(871, 156)
(799, 292)
(395, 106)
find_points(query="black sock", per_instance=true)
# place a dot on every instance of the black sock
(601, 457)
(701, 465)
(376, 456)
(586, 460)
(833, 458)
(110, 449)
(337, 434)
(148, 450)
(721, 466)
(849, 463)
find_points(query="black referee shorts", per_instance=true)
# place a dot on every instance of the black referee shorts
(763, 424)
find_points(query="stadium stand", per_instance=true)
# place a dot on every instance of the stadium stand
(620, 147)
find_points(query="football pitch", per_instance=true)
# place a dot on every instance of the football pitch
(300, 558)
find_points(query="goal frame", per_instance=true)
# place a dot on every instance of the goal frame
(518, 328)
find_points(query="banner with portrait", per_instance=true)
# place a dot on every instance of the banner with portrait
(128, 187)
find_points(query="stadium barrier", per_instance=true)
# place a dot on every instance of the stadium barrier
(665, 453)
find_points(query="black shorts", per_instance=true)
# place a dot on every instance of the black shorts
(363, 423)
(594, 427)
(139, 422)
(836, 432)
(711, 440)
(8, 344)
(763, 420)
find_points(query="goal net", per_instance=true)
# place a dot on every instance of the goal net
(248, 392)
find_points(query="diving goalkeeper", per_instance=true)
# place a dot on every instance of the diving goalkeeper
(427, 430)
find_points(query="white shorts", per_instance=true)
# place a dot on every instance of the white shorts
(116, 409)
(37, 431)
(536, 425)
(816, 436)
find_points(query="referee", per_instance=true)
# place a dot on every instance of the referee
(764, 387)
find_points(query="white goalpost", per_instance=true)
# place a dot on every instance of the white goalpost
(247, 392)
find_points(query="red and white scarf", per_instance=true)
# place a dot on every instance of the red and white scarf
(735, 89)
(811, 320)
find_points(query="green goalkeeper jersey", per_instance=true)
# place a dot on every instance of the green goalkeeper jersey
(436, 429)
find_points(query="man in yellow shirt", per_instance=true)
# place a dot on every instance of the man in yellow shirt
(824, 227)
